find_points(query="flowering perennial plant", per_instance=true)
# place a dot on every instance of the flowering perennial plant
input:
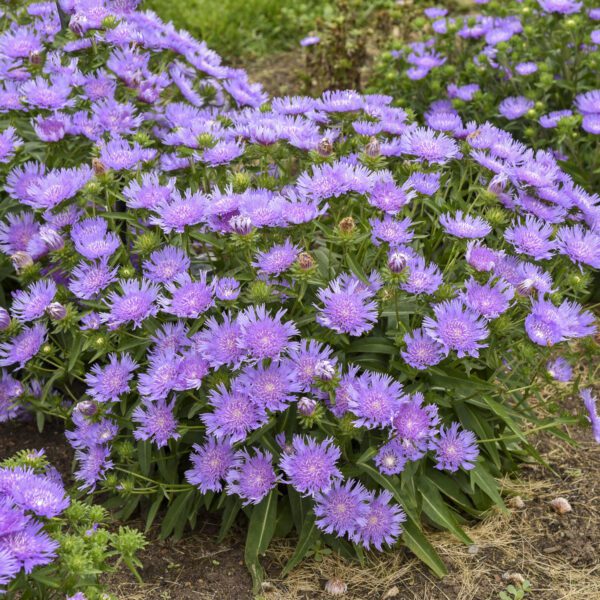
(52, 547)
(323, 313)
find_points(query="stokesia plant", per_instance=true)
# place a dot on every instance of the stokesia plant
(314, 314)
(52, 546)
(530, 66)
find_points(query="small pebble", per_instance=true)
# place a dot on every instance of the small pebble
(336, 587)
(516, 502)
(391, 593)
(561, 505)
(514, 578)
(473, 549)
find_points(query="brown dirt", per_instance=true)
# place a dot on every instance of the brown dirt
(557, 554)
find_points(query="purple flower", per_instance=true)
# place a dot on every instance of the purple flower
(457, 327)
(482, 258)
(93, 240)
(264, 336)
(108, 383)
(17, 232)
(40, 495)
(32, 304)
(589, 402)
(272, 387)
(88, 280)
(591, 124)
(342, 508)
(563, 7)
(52, 188)
(425, 183)
(9, 142)
(588, 103)
(251, 477)
(335, 101)
(389, 197)
(156, 422)
(390, 230)
(553, 118)
(162, 375)
(234, 413)
(303, 362)
(118, 155)
(30, 546)
(422, 351)
(222, 153)
(310, 466)
(136, 303)
(560, 369)
(9, 566)
(428, 145)
(166, 264)
(454, 449)
(179, 211)
(514, 107)
(347, 307)
(489, 300)
(422, 278)
(580, 245)
(278, 259)
(465, 226)
(526, 68)
(391, 457)
(189, 299)
(531, 237)
(310, 40)
(219, 342)
(43, 93)
(414, 425)
(93, 464)
(227, 289)
(210, 464)
(382, 522)
(150, 193)
(373, 399)
(23, 347)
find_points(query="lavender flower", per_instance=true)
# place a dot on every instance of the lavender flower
(251, 477)
(30, 546)
(210, 464)
(581, 246)
(422, 351)
(422, 278)
(465, 226)
(188, 299)
(391, 458)
(310, 466)
(93, 240)
(23, 347)
(382, 522)
(278, 259)
(531, 238)
(166, 264)
(455, 449)
(136, 303)
(514, 107)
(342, 508)
(589, 402)
(108, 383)
(156, 422)
(219, 343)
(490, 300)
(560, 369)
(373, 399)
(414, 425)
(89, 280)
(347, 308)
(32, 304)
(428, 145)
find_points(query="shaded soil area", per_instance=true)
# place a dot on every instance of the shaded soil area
(557, 554)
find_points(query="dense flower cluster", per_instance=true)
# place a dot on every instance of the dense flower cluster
(230, 296)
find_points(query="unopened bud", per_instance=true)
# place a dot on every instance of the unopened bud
(325, 370)
(4, 319)
(347, 225)
(397, 262)
(98, 166)
(88, 408)
(305, 261)
(77, 24)
(306, 406)
(240, 224)
(51, 238)
(35, 58)
(21, 260)
(56, 311)
(325, 147)
(373, 148)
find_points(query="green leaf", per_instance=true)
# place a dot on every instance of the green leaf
(437, 510)
(176, 514)
(483, 480)
(308, 537)
(356, 268)
(450, 488)
(74, 352)
(416, 542)
(373, 345)
(232, 508)
(152, 512)
(260, 531)
(144, 456)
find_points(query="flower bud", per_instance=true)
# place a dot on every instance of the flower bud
(51, 238)
(21, 260)
(305, 261)
(127, 271)
(373, 148)
(98, 166)
(307, 406)
(77, 24)
(347, 225)
(325, 147)
(4, 319)
(240, 182)
(325, 370)
(397, 262)
(35, 58)
(241, 225)
(88, 408)
(56, 311)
